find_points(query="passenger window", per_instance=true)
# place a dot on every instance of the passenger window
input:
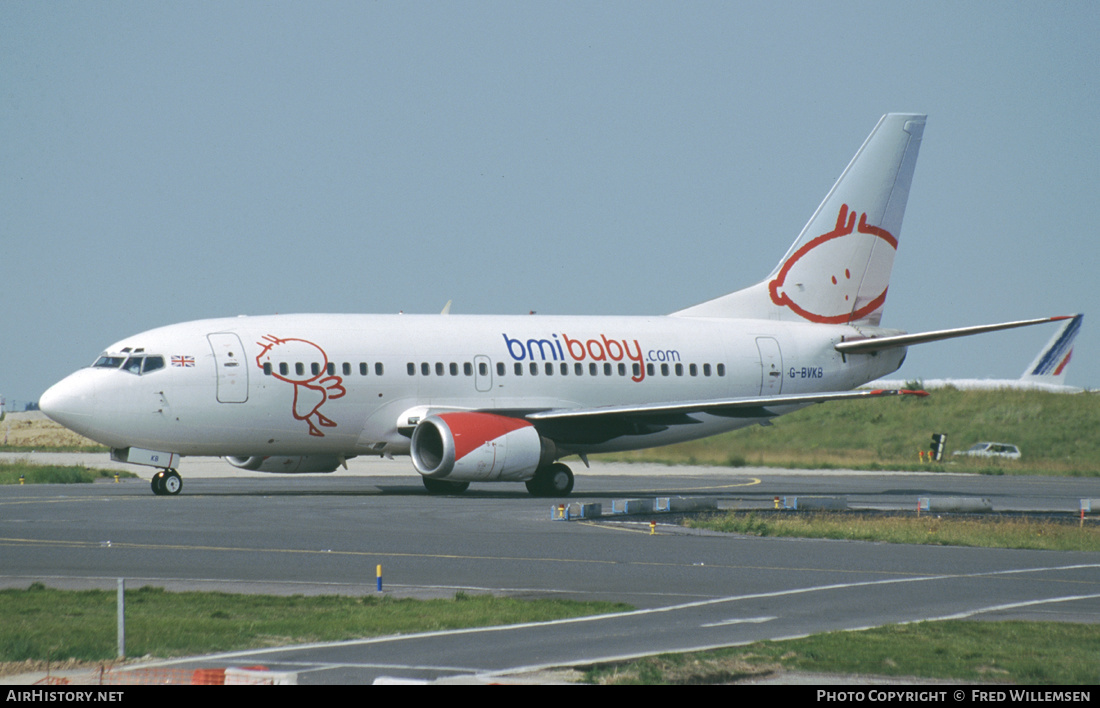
(664, 369)
(468, 368)
(549, 369)
(564, 369)
(593, 370)
(500, 368)
(534, 369)
(454, 369)
(578, 369)
(519, 369)
(267, 368)
(649, 369)
(679, 369)
(283, 368)
(331, 368)
(693, 370)
(412, 369)
(706, 369)
(347, 368)
(363, 368)
(439, 368)
(378, 369)
(607, 369)
(315, 368)
(721, 369)
(636, 368)
(622, 369)
(425, 369)
(483, 368)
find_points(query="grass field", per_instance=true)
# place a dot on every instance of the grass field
(1055, 432)
(985, 652)
(12, 472)
(42, 623)
(27, 432)
(938, 530)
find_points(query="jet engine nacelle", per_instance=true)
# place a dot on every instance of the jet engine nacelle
(478, 447)
(294, 464)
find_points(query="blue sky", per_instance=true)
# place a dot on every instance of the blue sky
(172, 161)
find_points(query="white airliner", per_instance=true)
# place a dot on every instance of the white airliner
(502, 399)
(1047, 372)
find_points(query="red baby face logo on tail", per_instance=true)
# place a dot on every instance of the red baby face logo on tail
(310, 390)
(840, 276)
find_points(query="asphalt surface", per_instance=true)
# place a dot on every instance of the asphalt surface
(249, 532)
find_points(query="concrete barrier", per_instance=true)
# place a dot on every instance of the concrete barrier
(960, 504)
(631, 506)
(684, 504)
(816, 503)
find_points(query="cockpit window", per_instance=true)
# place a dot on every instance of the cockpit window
(136, 364)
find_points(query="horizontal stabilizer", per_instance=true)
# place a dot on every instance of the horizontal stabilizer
(876, 344)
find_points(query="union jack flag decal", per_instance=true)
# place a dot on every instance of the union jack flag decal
(185, 361)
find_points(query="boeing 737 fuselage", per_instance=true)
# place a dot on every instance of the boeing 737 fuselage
(503, 398)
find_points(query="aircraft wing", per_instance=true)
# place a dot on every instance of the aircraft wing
(600, 424)
(875, 344)
(750, 407)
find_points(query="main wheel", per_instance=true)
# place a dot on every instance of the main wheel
(553, 481)
(157, 483)
(442, 486)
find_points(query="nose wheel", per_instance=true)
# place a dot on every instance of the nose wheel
(167, 483)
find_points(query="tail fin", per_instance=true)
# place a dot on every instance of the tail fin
(838, 269)
(1050, 366)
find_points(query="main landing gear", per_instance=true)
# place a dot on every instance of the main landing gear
(167, 483)
(553, 481)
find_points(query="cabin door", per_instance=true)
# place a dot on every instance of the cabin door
(771, 366)
(229, 359)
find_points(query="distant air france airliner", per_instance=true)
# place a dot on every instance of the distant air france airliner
(503, 398)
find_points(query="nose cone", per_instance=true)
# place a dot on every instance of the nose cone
(71, 401)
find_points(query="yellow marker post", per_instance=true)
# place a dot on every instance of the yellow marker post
(378, 571)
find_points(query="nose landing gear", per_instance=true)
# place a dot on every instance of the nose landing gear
(167, 483)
